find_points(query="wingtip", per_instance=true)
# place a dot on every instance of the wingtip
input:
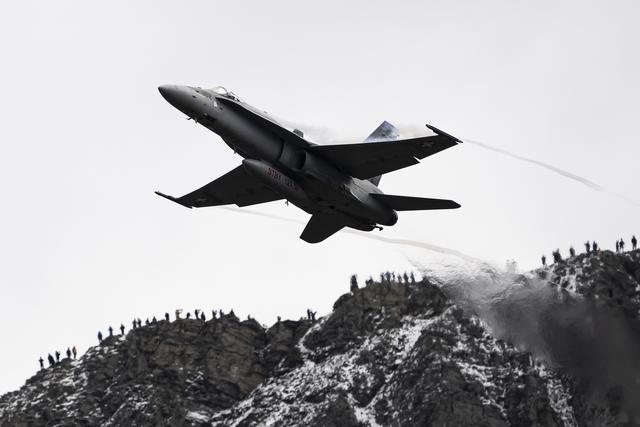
(173, 199)
(442, 133)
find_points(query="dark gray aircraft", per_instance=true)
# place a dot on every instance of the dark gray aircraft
(336, 184)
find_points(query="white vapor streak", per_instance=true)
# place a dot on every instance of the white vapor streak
(559, 171)
(367, 235)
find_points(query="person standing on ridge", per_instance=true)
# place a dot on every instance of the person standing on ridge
(595, 246)
(41, 360)
(166, 317)
(51, 360)
(68, 353)
(617, 246)
(621, 245)
(634, 242)
(57, 356)
(110, 331)
(572, 252)
(587, 246)
(75, 352)
(133, 323)
(544, 260)
(99, 336)
(121, 329)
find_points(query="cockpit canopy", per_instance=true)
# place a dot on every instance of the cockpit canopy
(219, 90)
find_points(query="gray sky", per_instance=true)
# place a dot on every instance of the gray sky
(86, 139)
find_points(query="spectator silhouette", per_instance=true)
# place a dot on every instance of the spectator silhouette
(74, 351)
(57, 356)
(154, 320)
(178, 314)
(196, 313)
(110, 331)
(188, 315)
(134, 323)
(51, 360)
(139, 323)
(202, 316)
(41, 360)
(121, 329)
(634, 242)
(556, 256)
(213, 314)
(617, 246)
(572, 252)
(544, 260)
(412, 277)
(595, 246)
(166, 317)
(99, 336)
(587, 246)
(146, 321)
(68, 353)
(354, 283)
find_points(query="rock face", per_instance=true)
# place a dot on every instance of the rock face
(389, 354)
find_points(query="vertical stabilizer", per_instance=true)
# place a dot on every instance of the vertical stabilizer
(385, 132)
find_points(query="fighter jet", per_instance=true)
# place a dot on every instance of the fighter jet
(336, 184)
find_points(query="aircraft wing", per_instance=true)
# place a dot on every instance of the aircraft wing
(365, 161)
(266, 123)
(321, 226)
(235, 187)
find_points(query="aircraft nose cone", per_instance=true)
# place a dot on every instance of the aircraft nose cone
(168, 92)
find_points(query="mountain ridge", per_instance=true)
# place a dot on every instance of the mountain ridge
(390, 353)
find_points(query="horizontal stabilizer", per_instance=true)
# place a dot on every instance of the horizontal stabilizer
(407, 203)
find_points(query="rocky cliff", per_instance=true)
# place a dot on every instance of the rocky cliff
(557, 346)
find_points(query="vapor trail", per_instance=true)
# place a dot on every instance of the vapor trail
(559, 171)
(404, 242)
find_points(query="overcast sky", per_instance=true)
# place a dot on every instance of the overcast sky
(86, 139)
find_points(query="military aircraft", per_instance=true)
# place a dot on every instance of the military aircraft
(336, 184)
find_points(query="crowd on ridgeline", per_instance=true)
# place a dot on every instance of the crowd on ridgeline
(71, 351)
(386, 277)
(137, 323)
(590, 247)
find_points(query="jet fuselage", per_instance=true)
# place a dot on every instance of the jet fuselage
(306, 180)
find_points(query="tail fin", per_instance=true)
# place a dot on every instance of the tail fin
(385, 132)
(407, 203)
